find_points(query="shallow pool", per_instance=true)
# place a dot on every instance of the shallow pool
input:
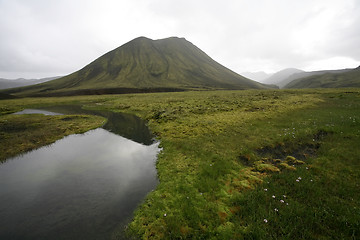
(83, 186)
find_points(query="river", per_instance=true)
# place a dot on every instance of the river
(84, 186)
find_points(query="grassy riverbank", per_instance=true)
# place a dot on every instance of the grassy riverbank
(22, 133)
(222, 149)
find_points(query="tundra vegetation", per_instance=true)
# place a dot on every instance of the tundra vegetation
(253, 164)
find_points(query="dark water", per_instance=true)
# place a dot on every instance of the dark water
(81, 187)
(126, 125)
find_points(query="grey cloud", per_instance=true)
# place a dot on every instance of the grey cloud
(63, 36)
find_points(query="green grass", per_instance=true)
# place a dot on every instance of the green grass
(201, 178)
(22, 133)
(221, 149)
(324, 203)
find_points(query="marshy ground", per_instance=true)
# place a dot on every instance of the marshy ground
(269, 164)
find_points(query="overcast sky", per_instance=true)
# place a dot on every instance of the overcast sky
(43, 38)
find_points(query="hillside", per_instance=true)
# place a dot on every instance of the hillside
(329, 79)
(279, 77)
(6, 96)
(256, 76)
(308, 74)
(143, 64)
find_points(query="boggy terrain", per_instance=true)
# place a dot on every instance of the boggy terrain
(254, 164)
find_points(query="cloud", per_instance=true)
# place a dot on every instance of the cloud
(58, 37)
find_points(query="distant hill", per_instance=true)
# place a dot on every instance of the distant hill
(279, 77)
(20, 82)
(308, 74)
(145, 65)
(329, 79)
(256, 76)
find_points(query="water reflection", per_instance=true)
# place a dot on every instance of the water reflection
(126, 125)
(37, 111)
(83, 186)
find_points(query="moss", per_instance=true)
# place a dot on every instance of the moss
(22, 133)
(242, 184)
(293, 160)
(203, 134)
(287, 166)
(277, 161)
(290, 159)
(265, 167)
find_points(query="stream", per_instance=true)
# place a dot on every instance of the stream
(84, 186)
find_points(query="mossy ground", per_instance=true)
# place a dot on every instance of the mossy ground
(221, 149)
(22, 133)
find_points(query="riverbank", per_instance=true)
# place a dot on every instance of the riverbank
(22, 133)
(222, 149)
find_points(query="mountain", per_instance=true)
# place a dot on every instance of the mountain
(256, 76)
(12, 83)
(145, 65)
(308, 74)
(279, 77)
(329, 79)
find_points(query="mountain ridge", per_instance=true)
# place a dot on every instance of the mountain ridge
(279, 77)
(328, 79)
(143, 63)
(304, 74)
(259, 76)
(20, 82)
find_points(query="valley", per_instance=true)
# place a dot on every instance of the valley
(256, 164)
(235, 159)
(172, 120)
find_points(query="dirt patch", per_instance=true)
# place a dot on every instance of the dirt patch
(283, 155)
(281, 151)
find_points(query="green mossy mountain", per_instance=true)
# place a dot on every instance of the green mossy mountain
(350, 78)
(171, 63)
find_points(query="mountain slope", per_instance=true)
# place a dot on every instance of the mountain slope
(308, 74)
(329, 79)
(144, 63)
(257, 76)
(278, 77)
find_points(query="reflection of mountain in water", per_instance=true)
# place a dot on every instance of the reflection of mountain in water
(125, 125)
(130, 127)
